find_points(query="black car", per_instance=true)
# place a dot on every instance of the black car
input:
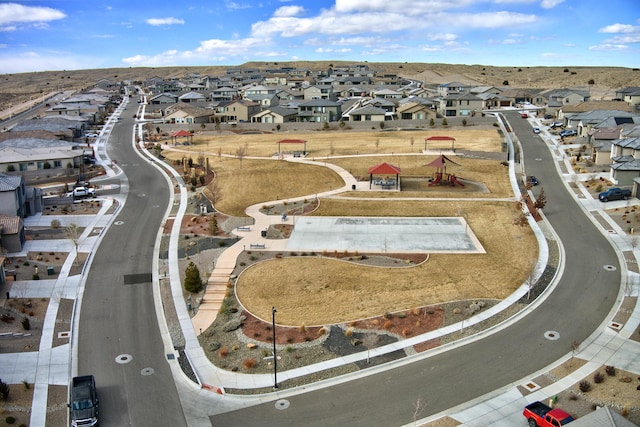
(532, 180)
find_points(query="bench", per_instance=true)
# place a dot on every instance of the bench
(257, 246)
(243, 228)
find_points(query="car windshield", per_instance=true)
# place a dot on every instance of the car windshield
(82, 404)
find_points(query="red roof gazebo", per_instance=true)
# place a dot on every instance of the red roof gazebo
(181, 134)
(384, 169)
(293, 141)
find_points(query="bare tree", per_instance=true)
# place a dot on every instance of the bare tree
(73, 233)
(530, 281)
(370, 341)
(241, 152)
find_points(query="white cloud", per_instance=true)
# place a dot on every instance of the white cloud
(441, 37)
(285, 11)
(329, 50)
(17, 13)
(236, 6)
(609, 47)
(550, 4)
(164, 21)
(619, 28)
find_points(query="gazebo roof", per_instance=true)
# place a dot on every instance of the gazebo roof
(440, 161)
(181, 133)
(384, 169)
(439, 138)
(291, 141)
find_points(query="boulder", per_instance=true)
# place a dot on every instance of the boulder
(234, 323)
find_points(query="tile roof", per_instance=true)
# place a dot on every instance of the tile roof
(9, 182)
(10, 224)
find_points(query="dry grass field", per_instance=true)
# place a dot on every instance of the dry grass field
(315, 291)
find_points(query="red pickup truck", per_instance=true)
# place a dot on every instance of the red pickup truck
(540, 415)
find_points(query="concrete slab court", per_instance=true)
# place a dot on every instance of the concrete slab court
(383, 234)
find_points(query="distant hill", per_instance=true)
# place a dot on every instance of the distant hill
(15, 88)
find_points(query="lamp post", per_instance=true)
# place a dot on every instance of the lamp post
(275, 357)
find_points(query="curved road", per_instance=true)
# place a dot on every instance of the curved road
(579, 304)
(119, 339)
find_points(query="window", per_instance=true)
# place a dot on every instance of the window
(23, 166)
(57, 164)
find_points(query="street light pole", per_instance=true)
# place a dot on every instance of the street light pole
(275, 357)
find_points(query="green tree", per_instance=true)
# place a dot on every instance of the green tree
(192, 280)
(444, 122)
(213, 226)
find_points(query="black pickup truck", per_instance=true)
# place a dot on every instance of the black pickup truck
(614, 194)
(84, 402)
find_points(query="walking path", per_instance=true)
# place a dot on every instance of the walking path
(52, 365)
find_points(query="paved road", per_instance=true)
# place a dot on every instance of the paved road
(118, 321)
(579, 304)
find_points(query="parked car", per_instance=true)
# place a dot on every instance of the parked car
(524, 115)
(536, 130)
(92, 135)
(548, 116)
(84, 192)
(614, 194)
(556, 125)
(568, 132)
(532, 180)
(540, 415)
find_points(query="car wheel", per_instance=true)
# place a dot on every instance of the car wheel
(532, 423)
(626, 197)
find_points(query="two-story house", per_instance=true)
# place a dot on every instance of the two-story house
(319, 110)
(463, 104)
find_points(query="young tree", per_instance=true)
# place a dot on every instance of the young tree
(4, 390)
(541, 200)
(240, 153)
(192, 280)
(73, 233)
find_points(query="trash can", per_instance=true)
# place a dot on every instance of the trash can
(263, 233)
(50, 271)
(353, 186)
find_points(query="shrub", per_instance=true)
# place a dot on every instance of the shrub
(25, 323)
(387, 324)
(584, 386)
(55, 223)
(35, 277)
(223, 352)
(4, 391)
(348, 332)
(249, 363)
(598, 377)
(10, 420)
(302, 328)
(26, 384)
(610, 370)
(288, 349)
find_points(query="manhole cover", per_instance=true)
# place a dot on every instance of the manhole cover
(147, 371)
(552, 335)
(124, 358)
(282, 404)
(118, 223)
(610, 267)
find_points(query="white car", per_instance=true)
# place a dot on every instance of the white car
(92, 135)
(84, 192)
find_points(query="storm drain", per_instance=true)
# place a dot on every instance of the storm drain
(134, 279)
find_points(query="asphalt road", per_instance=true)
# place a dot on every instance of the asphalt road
(579, 304)
(119, 340)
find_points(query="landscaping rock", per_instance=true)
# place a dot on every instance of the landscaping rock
(234, 324)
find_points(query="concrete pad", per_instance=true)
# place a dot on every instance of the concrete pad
(384, 234)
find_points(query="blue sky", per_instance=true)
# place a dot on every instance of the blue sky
(70, 34)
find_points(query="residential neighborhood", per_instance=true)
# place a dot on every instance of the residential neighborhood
(57, 144)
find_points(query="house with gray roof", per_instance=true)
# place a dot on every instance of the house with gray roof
(460, 105)
(12, 235)
(631, 96)
(192, 97)
(183, 112)
(368, 113)
(319, 110)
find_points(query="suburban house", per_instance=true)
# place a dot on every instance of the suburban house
(415, 111)
(12, 235)
(163, 99)
(631, 96)
(12, 195)
(452, 88)
(189, 114)
(223, 94)
(318, 92)
(191, 97)
(319, 110)
(368, 113)
(463, 104)
(600, 140)
(275, 115)
(240, 110)
(583, 122)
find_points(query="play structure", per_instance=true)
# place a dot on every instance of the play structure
(440, 176)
